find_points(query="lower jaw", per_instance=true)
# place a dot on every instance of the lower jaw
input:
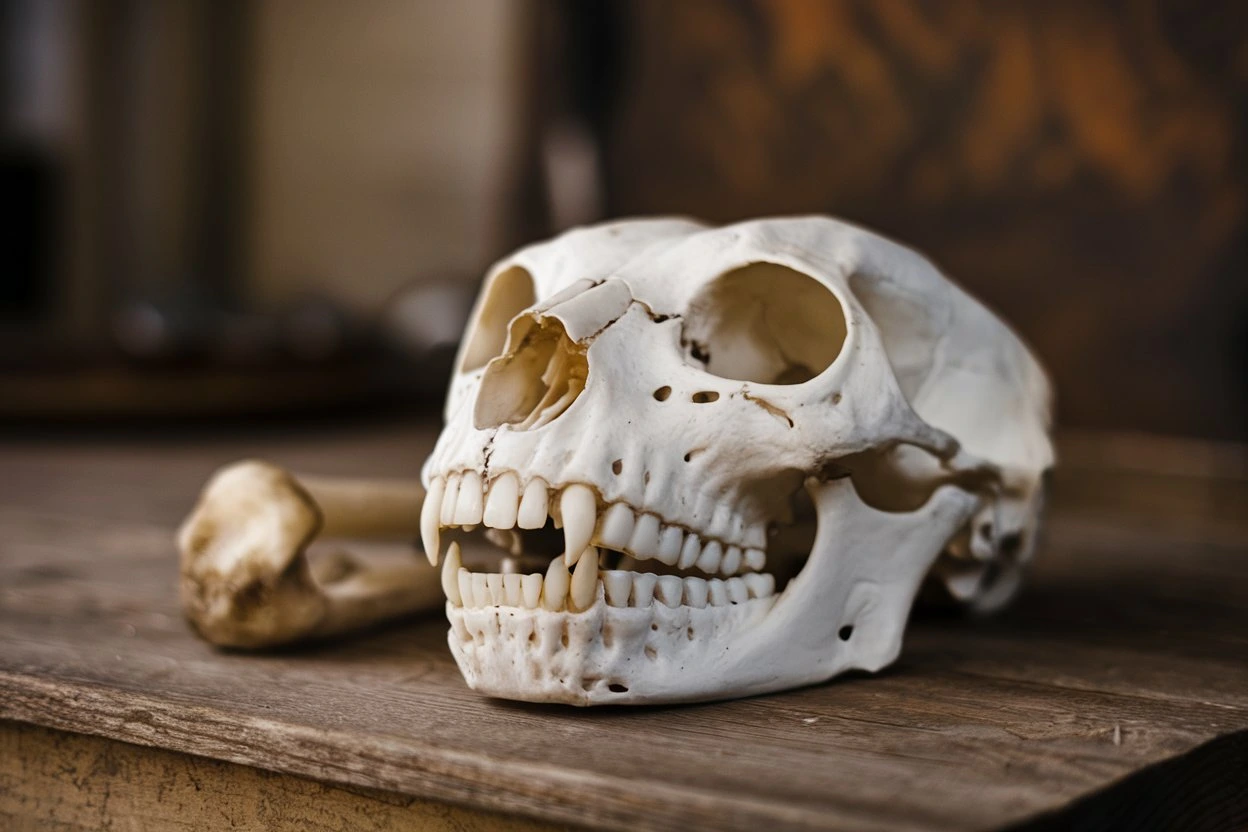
(602, 655)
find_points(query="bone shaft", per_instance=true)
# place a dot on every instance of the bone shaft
(367, 509)
(383, 588)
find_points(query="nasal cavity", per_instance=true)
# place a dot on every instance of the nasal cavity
(535, 383)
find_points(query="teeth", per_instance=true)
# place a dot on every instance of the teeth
(584, 581)
(718, 592)
(480, 590)
(737, 593)
(447, 513)
(555, 588)
(531, 589)
(430, 513)
(689, 552)
(696, 592)
(643, 588)
(450, 575)
(645, 537)
(533, 505)
(731, 564)
(617, 527)
(494, 586)
(578, 506)
(670, 541)
(466, 596)
(502, 502)
(755, 560)
(617, 585)
(670, 589)
(468, 503)
(511, 589)
(712, 553)
(759, 586)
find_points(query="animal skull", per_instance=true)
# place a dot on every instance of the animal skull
(676, 399)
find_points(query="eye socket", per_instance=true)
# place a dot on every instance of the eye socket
(505, 296)
(765, 323)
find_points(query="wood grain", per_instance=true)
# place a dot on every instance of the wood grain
(1129, 647)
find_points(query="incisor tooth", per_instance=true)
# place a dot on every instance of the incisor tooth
(502, 502)
(645, 539)
(447, 513)
(555, 587)
(731, 564)
(718, 592)
(709, 560)
(579, 508)
(430, 512)
(643, 588)
(584, 581)
(690, 551)
(696, 592)
(670, 541)
(670, 590)
(511, 589)
(464, 577)
(755, 560)
(617, 527)
(533, 505)
(481, 590)
(617, 585)
(531, 589)
(737, 593)
(494, 585)
(450, 575)
(468, 503)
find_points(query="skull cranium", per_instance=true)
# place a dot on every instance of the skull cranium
(677, 398)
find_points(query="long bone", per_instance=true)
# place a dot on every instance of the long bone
(246, 577)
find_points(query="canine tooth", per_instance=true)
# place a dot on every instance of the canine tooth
(449, 498)
(555, 587)
(755, 560)
(718, 592)
(450, 575)
(464, 577)
(502, 502)
(712, 554)
(579, 509)
(643, 588)
(645, 539)
(617, 526)
(511, 589)
(759, 586)
(430, 514)
(468, 503)
(737, 593)
(670, 540)
(584, 581)
(618, 585)
(689, 552)
(531, 589)
(670, 590)
(731, 564)
(533, 505)
(696, 592)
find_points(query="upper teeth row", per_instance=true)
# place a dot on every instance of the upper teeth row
(464, 500)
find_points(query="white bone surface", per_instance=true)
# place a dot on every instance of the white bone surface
(663, 390)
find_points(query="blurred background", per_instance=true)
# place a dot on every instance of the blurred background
(284, 207)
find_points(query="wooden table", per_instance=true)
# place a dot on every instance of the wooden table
(1129, 647)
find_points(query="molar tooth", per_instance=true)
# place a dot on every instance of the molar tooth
(643, 588)
(670, 540)
(718, 592)
(755, 560)
(618, 585)
(555, 587)
(430, 514)
(481, 590)
(579, 509)
(502, 502)
(670, 589)
(711, 555)
(731, 564)
(689, 552)
(464, 579)
(617, 527)
(759, 586)
(468, 503)
(447, 513)
(450, 575)
(696, 592)
(511, 589)
(494, 586)
(531, 589)
(533, 505)
(645, 540)
(584, 581)
(737, 593)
